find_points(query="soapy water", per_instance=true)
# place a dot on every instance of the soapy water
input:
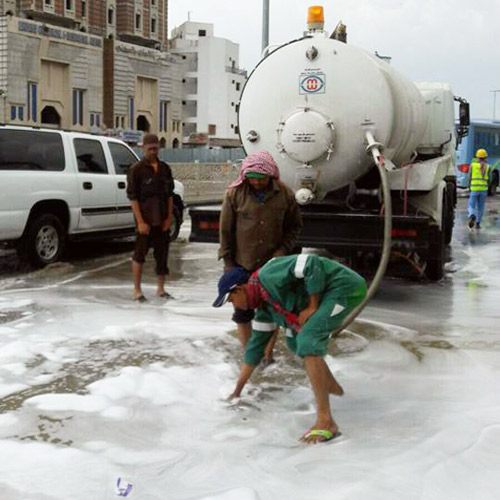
(96, 389)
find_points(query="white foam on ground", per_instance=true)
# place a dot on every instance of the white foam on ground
(418, 422)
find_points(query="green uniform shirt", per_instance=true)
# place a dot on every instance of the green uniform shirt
(290, 281)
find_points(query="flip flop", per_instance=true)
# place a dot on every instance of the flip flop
(165, 295)
(140, 299)
(325, 433)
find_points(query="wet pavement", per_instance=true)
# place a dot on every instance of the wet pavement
(95, 388)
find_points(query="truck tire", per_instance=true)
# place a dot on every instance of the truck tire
(176, 224)
(448, 212)
(436, 258)
(492, 188)
(43, 241)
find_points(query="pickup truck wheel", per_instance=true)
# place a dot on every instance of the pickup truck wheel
(43, 242)
(492, 188)
(175, 227)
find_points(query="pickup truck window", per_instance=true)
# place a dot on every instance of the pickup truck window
(31, 150)
(90, 156)
(123, 158)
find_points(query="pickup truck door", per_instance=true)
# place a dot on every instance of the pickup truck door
(122, 158)
(96, 185)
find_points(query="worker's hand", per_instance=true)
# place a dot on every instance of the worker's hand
(166, 225)
(279, 253)
(305, 314)
(143, 228)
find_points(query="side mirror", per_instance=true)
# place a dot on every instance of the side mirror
(463, 114)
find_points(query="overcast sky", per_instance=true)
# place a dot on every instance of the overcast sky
(454, 41)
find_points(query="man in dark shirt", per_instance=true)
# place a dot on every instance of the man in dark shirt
(150, 189)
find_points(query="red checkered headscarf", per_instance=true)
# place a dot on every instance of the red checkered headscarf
(261, 162)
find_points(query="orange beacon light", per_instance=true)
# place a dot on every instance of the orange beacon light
(315, 18)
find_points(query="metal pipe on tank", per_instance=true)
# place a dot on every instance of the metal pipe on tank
(265, 24)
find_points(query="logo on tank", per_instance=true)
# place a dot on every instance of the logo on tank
(312, 83)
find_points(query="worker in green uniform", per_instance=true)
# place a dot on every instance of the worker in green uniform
(309, 296)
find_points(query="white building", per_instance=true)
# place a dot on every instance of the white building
(212, 85)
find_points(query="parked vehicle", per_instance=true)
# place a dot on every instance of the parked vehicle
(482, 134)
(322, 108)
(57, 185)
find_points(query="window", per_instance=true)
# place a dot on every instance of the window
(131, 112)
(110, 16)
(202, 32)
(48, 2)
(78, 107)
(95, 119)
(84, 9)
(212, 129)
(123, 121)
(123, 158)
(13, 110)
(32, 102)
(153, 2)
(20, 113)
(163, 116)
(90, 156)
(137, 21)
(153, 25)
(238, 86)
(236, 130)
(31, 150)
(69, 4)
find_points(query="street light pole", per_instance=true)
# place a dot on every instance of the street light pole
(265, 24)
(494, 102)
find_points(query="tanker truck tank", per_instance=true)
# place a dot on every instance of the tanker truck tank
(311, 103)
(369, 154)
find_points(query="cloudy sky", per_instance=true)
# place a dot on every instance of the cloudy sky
(454, 41)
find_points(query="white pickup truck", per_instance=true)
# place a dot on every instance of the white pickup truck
(57, 185)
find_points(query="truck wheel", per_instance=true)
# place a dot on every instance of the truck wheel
(436, 259)
(176, 224)
(43, 242)
(492, 188)
(448, 212)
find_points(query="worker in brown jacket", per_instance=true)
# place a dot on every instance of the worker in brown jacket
(260, 219)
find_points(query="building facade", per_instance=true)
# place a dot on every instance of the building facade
(212, 85)
(90, 65)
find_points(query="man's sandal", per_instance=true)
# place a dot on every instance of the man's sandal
(324, 433)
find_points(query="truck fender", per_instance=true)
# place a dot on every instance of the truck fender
(431, 203)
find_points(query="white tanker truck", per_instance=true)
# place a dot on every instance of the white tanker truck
(329, 112)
